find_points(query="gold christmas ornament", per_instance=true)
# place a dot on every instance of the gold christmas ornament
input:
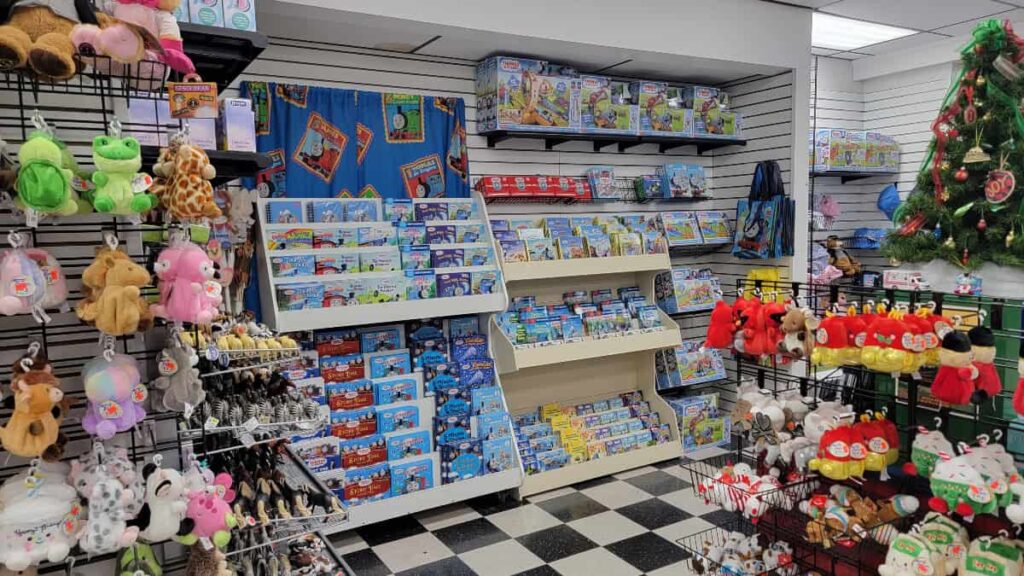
(987, 117)
(980, 82)
(979, 103)
(1009, 238)
(945, 166)
(949, 243)
(945, 195)
(895, 262)
(976, 155)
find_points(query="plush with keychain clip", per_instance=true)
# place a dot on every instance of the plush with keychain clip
(107, 528)
(926, 449)
(113, 300)
(721, 328)
(39, 516)
(44, 184)
(116, 395)
(798, 326)
(32, 428)
(22, 284)
(910, 555)
(120, 187)
(165, 505)
(190, 193)
(209, 513)
(188, 289)
(55, 294)
(179, 384)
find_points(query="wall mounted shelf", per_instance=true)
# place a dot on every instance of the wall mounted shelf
(622, 141)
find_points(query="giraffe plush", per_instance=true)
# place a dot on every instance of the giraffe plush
(190, 195)
(163, 173)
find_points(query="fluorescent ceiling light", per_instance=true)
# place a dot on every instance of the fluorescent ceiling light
(838, 33)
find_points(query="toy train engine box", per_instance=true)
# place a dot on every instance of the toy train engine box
(710, 113)
(662, 110)
(517, 94)
(606, 106)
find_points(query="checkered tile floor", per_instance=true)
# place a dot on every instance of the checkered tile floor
(621, 525)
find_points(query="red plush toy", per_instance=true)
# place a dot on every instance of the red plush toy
(773, 313)
(1018, 395)
(722, 327)
(954, 382)
(983, 347)
(755, 331)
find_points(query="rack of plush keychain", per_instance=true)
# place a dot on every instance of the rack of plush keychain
(897, 420)
(123, 350)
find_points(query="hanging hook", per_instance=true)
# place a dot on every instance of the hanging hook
(115, 127)
(26, 364)
(34, 348)
(40, 123)
(982, 440)
(982, 315)
(998, 433)
(15, 239)
(938, 422)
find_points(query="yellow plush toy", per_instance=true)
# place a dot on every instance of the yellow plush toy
(112, 287)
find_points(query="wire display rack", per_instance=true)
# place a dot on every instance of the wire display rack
(707, 547)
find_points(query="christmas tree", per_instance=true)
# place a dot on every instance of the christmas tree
(965, 207)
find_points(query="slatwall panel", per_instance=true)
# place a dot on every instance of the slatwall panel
(765, 102)
(839, 102)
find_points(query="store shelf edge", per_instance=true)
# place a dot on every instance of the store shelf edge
(364, 314)
(373, 512)
(519, 271)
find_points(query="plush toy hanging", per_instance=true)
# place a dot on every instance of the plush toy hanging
(179, 385)
(188, 289)
(44, 184)
(112, 286)
(954, 381)
(107, 527)
(208, 514)
(164, 509)
(1018, 394)
(40, 517)
(120, 187)
(190, 194)
(722, 327)
(983, 348)
(22, 282)
(33, 428)
(55, 294)
(115, 392)
(831, 340)
(798, 326)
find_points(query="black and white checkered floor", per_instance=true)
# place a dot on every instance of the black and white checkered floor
(621, 525)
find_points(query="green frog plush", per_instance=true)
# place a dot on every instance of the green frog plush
(44, 184)
(120, 187)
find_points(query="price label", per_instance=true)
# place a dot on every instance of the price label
(211, 422)
(206, 543)
(251, 424)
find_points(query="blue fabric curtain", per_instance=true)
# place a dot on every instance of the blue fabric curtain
(329, 142)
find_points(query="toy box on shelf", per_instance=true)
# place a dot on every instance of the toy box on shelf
(711, 116)
(841, 150)
(702, 425)
(662, 109)
(544, 188)
(525, 95)
(687, 365)
(418, 418)
(606, 107)
(687, 290)
(347, 262)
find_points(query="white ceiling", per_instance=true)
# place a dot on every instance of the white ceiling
(933, 20)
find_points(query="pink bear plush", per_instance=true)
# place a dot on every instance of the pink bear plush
(188, 289)
(209, 513)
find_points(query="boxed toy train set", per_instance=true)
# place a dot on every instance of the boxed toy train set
(841, 150)
(662, 109)
(711, 116)
(606, 106)
(411, 406)
(519, 94)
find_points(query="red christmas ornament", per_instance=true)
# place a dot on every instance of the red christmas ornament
(982, 225)
(961, 175)
(970, 114)
(953, 133)
(966, 257)
(1000, 184)
(979, 49)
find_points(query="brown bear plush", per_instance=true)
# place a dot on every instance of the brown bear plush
(32, 429)
(37, 34)
(112, 288)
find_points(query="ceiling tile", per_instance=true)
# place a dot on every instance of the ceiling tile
(915, 14)
(912, 41)
(965, 28)
(823, 51)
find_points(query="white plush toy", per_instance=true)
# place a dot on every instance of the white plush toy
(37, 524)
(910, 555)
(945, 536)
(822, 419)
(778, 558)
(107, 529)
(991, 556)
(165, 503)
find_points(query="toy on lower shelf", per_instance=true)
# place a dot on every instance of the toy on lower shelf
(411, 407)
(570, 238)
(555, 436)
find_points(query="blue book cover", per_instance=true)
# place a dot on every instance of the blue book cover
(452, 401)
(412, 477)
(498, 455)
(490, 425)
(461, 460)
(486, 400)
(398, 418)
(406, 444)
(451, 429)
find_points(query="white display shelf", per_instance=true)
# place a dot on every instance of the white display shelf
(339, 317)
(511, 358)
(442, 495)
(575, 473)
(362, 314)
(521, 271)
